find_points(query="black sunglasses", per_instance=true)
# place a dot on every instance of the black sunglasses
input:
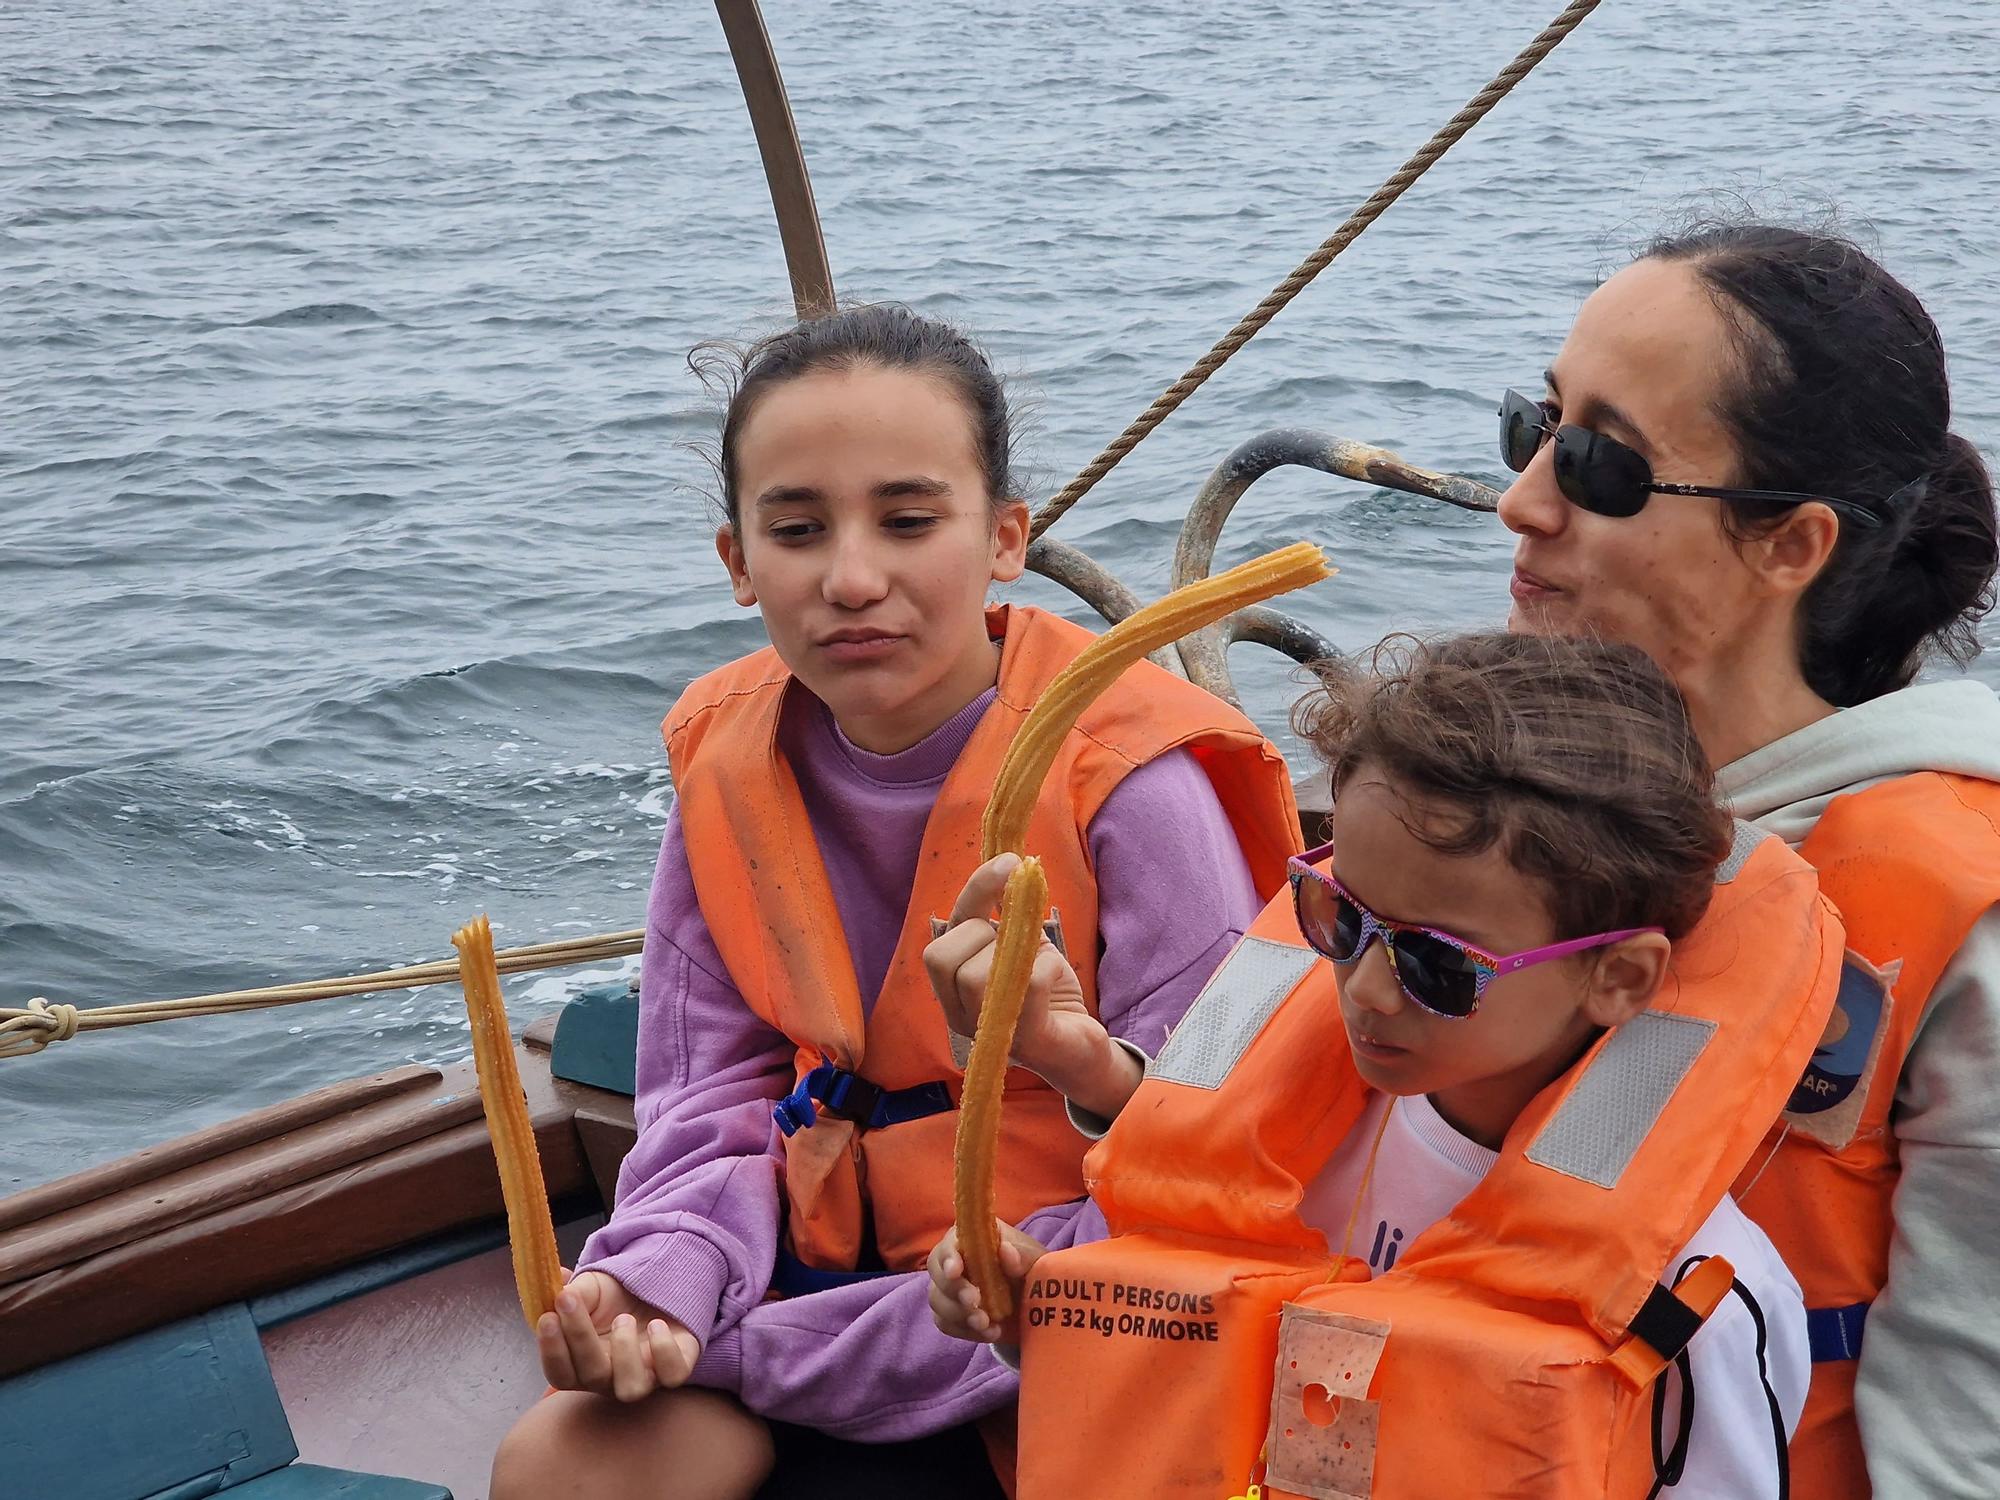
(1603, 476)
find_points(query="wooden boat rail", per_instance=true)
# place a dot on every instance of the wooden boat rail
(297, 1190)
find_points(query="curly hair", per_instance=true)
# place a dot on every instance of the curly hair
(1575, 757)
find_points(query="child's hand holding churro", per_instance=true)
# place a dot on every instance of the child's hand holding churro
(1004, 829)
(1057, 1037)
(955, 1300)
(602, 1339)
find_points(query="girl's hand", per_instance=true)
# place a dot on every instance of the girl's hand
(1058, 1038)
(955, 1300)
(604, 1340)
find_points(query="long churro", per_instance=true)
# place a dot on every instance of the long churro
(531, 1232)
(978, 1148)
(1003, 830)
(1180, 613)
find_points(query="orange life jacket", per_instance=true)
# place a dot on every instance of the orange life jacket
(764, 894)
(1911, 864)
(1156, 1363)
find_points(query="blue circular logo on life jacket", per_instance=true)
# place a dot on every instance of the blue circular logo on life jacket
(1842, 1054)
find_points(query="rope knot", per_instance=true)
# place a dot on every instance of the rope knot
(59, 1020)
(41, 1024)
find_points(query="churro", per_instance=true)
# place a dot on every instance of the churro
(978, 1147)
(1180, 613)
(1015, 790)
(531, 1232)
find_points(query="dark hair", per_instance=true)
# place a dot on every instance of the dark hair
(1841, 390)
(1575, 757)
(885, 335)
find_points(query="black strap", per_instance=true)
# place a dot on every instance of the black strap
(1669, 1465)
(1665, 1322)
(1770, 1396)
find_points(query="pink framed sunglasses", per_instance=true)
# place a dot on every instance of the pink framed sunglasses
(1445, 975)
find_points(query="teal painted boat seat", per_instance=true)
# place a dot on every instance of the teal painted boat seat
(597, 1038)
(311, 1482)
(182, 1412)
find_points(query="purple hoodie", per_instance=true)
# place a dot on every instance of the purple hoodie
(695, 1228)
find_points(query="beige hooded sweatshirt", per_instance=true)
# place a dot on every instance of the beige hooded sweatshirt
(1929, 1386)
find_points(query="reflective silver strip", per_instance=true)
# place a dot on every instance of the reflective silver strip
(1748, 837)
(1229, 1012)
(1596, 1131)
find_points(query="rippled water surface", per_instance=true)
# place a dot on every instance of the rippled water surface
(352, 548)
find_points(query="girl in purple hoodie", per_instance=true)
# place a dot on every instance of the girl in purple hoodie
(864, 469)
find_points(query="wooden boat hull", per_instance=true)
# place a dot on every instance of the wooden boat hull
(315, 1300)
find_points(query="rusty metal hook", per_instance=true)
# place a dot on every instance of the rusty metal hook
(1204, 654)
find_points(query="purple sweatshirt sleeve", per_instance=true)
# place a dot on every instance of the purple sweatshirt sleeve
(865, 1361)
(1174, 893)
(695, 1227)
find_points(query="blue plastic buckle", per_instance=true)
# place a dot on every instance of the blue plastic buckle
(797, 1111)
(848, 1096)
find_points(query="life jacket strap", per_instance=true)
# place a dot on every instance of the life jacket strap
(1835, 1332)
(849, 1096)
(1668, 1319)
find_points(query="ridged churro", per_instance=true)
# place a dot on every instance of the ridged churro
(1015, 790)
(978, 1147)
(1180, 613)
(531, 1232)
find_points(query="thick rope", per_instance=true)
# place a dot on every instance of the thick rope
(29, 1029)
(1447, 136)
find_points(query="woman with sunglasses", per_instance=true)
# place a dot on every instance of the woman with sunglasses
(1743, 464)
(1524, 831)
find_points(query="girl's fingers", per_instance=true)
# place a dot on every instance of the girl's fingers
(589, 1358)
(981, 896)
(1049, 968)
(557, 1367)
(588, 1288)
(948, 959)
(966, 985)
(673, 1359)
(944, 1311)
(631, 1364)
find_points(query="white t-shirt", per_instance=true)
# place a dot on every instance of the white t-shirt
(1424, 1167)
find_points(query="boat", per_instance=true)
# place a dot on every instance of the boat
(317, 1299)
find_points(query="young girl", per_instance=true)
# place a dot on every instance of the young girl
(759, 1284)
(1512, 1112)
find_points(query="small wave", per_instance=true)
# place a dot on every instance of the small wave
(592, 98)
(656, 421)
(318, 315)
(400, 710)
